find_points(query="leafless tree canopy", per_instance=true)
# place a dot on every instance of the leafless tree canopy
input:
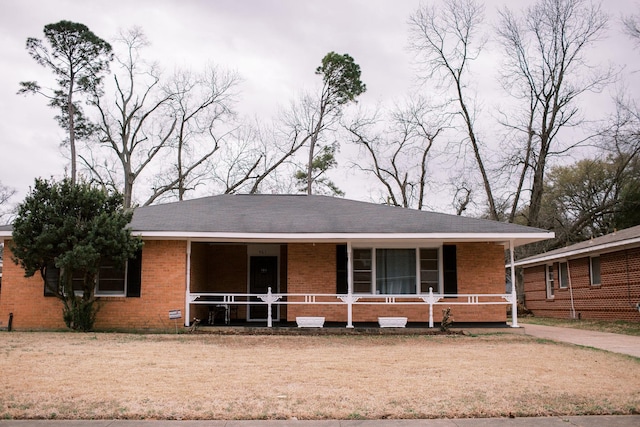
(546, 70)
(447, 39)
(399, 150)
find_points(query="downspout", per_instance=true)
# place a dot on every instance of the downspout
(514, 295)
(187, 313)
(573, 308)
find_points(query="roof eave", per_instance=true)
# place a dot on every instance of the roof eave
(518, 239)
(598, 248)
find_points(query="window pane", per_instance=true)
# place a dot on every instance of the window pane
(595, 270)
(362, 287)
(362, 277)
(429, 264)
(362, 270)
(564, 275)
(396, 271)
(110, 280)
(429, 276)
(429, 270)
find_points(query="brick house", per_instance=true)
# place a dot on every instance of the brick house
(595, 279)
(239, 259)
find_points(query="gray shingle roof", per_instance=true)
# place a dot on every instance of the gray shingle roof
(305, 214)
(611, 241)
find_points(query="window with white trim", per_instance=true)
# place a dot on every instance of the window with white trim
(429, 270)
(563, 275)
(549, 280)
(594, 271)
(110, 281)
(362, 270)
(396, 271)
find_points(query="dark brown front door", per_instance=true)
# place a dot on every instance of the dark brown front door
(263, 274)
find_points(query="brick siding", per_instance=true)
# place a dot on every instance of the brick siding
(614, 299)
(163, 289)
(304, 268)
(480, 267)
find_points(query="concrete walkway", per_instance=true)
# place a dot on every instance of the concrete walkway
(617, 343)
(591, 421)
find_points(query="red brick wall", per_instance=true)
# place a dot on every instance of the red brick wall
(163, 289)
(614, 299)
(480, 266)
(24, 297)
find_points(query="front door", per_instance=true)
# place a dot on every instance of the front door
(263, 274)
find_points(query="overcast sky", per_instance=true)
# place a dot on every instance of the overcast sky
(275, 45)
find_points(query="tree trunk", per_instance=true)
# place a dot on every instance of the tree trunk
(72, 131)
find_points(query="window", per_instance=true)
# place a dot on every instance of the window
(594, 271)
(111, 281)
(395, 271)
(563, 272)
(429, 271)
(362, 270)
(398, 271)
(549, 281)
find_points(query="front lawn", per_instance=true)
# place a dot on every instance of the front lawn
(106, 376)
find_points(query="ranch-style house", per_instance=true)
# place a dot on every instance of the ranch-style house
(277, 259)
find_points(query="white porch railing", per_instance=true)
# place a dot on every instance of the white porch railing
(268, 299)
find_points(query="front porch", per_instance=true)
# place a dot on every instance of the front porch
(223, 308)
(273, 284)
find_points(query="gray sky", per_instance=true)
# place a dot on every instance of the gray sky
(275, 45)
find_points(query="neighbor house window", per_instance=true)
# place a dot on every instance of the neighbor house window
(563, 272)
(594, 270)
(549, 277)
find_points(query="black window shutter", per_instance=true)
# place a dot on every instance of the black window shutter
(341, 269)
(134, 275)
(450, 274)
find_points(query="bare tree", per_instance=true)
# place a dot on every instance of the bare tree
(139, 121)
(398, 148)
(446, 39)
(202, 105)
(632, 27)
(546, 70)
(6, 193)
(261, 157)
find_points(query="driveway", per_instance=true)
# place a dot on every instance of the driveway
(617, 343)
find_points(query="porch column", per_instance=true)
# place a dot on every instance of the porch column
(349, 286)
(514, 295)
(187, 314)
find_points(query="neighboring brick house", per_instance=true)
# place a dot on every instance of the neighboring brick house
(237, 258)
(595, 279)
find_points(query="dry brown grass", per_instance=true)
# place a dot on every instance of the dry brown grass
(67, 375)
